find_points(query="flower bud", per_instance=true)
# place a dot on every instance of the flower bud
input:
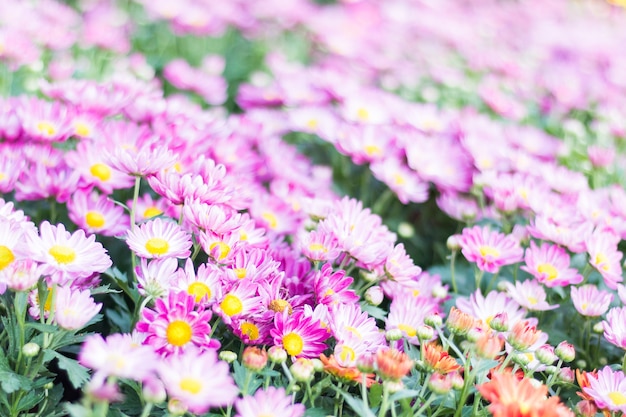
(474, 334)
(406, 230)
(302, 370)
(459, 322)
(374, 295)
(425, 332)
(254, 358)
(457, 381)
(502, 286)
(370, 276)
(318, 365)
(453, 243)
(393, 334)
(500, 322)
(176, 407)
(598, 328)
(366, 363)
(393, 386)
(277, 354)
(49, 385)
(228, 356)
(566, 375)
(153, 390)
(433, 320)
(545, 354)
(439, 384)
(565, 351)
(30, 349)
(521, 359)
(440, 292)
(586, 408)
(551, 369)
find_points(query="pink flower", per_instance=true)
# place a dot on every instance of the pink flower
(97, 214)
(159, 238)
(400, 267)
(589, 301)
(407, 313)
(490, 250)
(530, 295)
(615, 327)
(608, 389)
(142, 161)
(198, 380)
(486, 308)
(333, 288)
(154, 279)
(299, 335)
(271, 401)
(74, 308)
(550, 265)
(241, 300)
(605, 257)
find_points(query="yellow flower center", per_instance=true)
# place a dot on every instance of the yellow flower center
(372, 150)
(157, 246)
(46, 128)
(489, 251)
(399, 179)
(293, 343)
(191, 385)
(602, 261)
(532, 301)
(316, 247)
(280, 305)
(6, 257)
(231, 305)
(199, 290)
(347, 354)
(100, 171)
(363, 114)
(250, 330)
(240, 272)
(271, 219)
(312, 124)
(551, 272)
(617, 398)
(81, 129)
(152, 212)
(62, 254)
(354, 331)
(410, 331)
(223, 248)
(94, 219)
(178, 333)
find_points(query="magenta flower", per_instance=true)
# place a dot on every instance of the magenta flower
(615, 327)
(176, 324)
(590, 301)
(333, 288)
(550, 265)
(198, 380)
(299, 335)
(608, 389)
(269, 402)
(159, 238)
(489, 250)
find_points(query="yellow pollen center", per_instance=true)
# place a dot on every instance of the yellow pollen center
(271, 219)
(363, 114)
(178, 333)
(250, 330)
(293, 343)
(81, 129)
(347, 354)
(223, 249)
(372, 150)
(243, 236)
(157, 246)
(231, 305)
(316, 247)
(532, 300)
(240, 272)
(191, 385)
(416, 293)
(312, 124)
(584, 306)
(199, 290)
(2, 176)
(100, 171)
(280, 305)
(94, 219)
(6, 257)
(410, 331)
(489, 251)
(551, 272)
(62, 254)
(399, 179)
(152, 212)
(617, 398)
(46, 128)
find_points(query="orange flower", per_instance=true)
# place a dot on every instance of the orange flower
(582, 377)
(459, 322)
(351, 374)
(392, 364)
(523, 335)
(489, 345)
(512, 397)
(438, 360)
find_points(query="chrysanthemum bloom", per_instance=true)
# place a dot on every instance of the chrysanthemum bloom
(140, 162)
(155, 277)
(346, 373)
(459, 322)
(393, 365)
(13, 242)
(215, 218)
(402, 180)
(97, 214)
(203, 285)
(605, 257)
(550, 265)
(399, 266)
(159, 238)
(486, 308)
(45, 121)
(530, 295)
(510, 396)
(523, 335)
(590, 301)
(333, 288)
(254, 358)
(68, 256)
(407, 313)
(241, 300)
(490, 250)
(608, 389)
(299, 335)
(148, 207)
(438, 360)
(74, 308)
(21, 275)
(269, 402)
(198, 380)
(489, 345)
(348, 321)
(118, 355)
(615, 327)
(175, 325)
(319, 246)
(250, 264)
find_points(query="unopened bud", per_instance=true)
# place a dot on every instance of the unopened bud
(393, 386)
(370, 276)
(453, 243)
(176, 407)
(302, 370)
(425, 332)
(406, 230)
(440, 292)
(254, 358)
(366, 363)
(153, 391)
(30, 349)
(566, 375)
(565, 351)
(318, 365)
(545, 354)
(500, 322)
(374, 295)
(521, 359)
(439, 384)
(228, 356)
(433, 320)
(393, 334)
(598, 328)
(277, 354)
(457, 381)
(586, 408)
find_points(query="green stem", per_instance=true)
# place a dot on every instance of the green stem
(133, 211)
(469, 381)
(452, 275)
(385, 403)
(146, 410)
(338, 398)
(478, 276)
(425, 405)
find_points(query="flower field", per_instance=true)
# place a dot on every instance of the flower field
(312, 208)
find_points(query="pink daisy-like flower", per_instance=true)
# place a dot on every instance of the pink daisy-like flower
(148, 207)
(608, 389)
(399, 266)
(590, 301)
(204, 285)
(154, 278)
(74, 308)
(118, 355)
(241, 300)
(198, 380)
(141, 162)
(407, 313)
(550, 265)
(490, 250)
(176, 324)
(348, 321)
(159, 238)
(486, 308)
(97, 214)
(269, 402)
(299, 335)
(530, 295)
(20, 275)
(605, 257)
(615, 327)
(332, 288)
(13, 242)
(68, 256)
(318, 246)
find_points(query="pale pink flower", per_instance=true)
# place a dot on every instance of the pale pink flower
(488, 249)
(74, 308)
(590, 301)
(97, 214)
(159, 238)
(269, 402)
(550, 265)
(605, 257)
(608, 389)
(615, 327)
(485, 308)
(530, 295)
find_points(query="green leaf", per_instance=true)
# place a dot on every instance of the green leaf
(357, 405)
(104, 289)
(77, 410)
(31, 399)
(11, 382)
(76, 373)
(377, 313)
(316, 412)
(405, 393)
(43, 328)
(375, 395)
